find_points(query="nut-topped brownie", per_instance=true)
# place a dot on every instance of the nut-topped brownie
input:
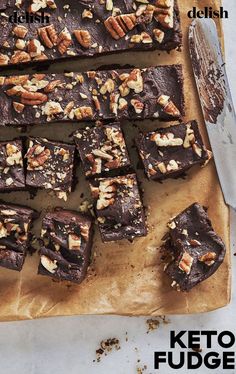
(102, 149)
(12, 176)
(169, 152)
(85, 28)
(50, 165)
(15, 224)
(118, 207)
(67, 237)
(101, 95)
(196, 251)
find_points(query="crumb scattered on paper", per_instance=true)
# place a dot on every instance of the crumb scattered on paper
(141, 370)
(154, 323)
(107, 346)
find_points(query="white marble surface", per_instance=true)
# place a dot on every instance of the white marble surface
(67, 345)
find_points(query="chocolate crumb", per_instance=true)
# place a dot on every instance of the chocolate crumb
(153, 324)
(107, 346)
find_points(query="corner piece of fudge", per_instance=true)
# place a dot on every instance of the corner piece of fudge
(195, 249)
(12, 176)
(118, 207)
(169, 152)
(15, 224)
(67, 237)
(102, 149)
(50, 165)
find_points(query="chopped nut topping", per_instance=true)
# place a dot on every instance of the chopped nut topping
(186, 262)
(74, 242)
(208, 258)
(168, 106)
(48, 264)
(166, 140)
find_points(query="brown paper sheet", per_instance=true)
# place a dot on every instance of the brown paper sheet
(125, 278)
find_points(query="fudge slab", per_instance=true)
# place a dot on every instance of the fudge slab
(86, 28)
(169, 152)
(15, 224)
(118, 207)
(155, 92)
(12, 176)
(196, 250)
(50, 165)
(102, 149)
(67, 238)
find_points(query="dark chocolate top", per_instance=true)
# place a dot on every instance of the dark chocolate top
(11, 166)
(123, 94)
(15, 222)
(170, 151)
(67, 237)
(102, 149)
(118, 206)
(86, 28)
(50, 166)
(196, 249)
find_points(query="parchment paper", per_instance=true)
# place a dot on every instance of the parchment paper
(125, 278)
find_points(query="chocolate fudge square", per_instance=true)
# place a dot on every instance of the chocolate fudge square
(102, 149)
(108, 95)
(67, 237)
(50, 166)
(169, 152)
(15, 224)
(195, 249)
(118, 207)
(12, 176)
(80, 28)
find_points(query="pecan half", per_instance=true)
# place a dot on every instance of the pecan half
(118, 26)
(33, 98)
(83, 37)
(64, 41)
(48, 35)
